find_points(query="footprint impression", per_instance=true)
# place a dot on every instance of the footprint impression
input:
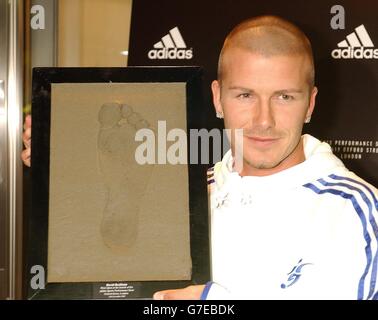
(124, 178)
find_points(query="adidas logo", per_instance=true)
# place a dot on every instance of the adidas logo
(171, 46)
(358, 45)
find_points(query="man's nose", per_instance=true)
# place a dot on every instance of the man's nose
(263, 116)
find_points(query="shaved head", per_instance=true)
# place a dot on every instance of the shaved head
(268, 36)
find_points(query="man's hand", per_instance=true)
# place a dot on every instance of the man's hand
(188, 293)
(26, 138)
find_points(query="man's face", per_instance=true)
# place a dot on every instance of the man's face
(269, 98)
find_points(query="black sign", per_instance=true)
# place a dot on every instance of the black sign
(344, 37)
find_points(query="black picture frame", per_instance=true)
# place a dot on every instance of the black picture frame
(36, 219)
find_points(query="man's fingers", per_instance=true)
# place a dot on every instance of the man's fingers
(188, 293)
(25, 156)
(169, 295)
(28, 122)
(26, 137)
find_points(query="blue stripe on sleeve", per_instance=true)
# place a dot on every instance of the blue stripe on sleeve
(361, 215)
(333, 176)
(206, 290)
(371, 220)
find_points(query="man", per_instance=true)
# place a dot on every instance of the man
(292, 222)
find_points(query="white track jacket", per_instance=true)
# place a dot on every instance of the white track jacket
(308, 232)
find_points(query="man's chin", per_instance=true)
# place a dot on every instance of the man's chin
(265, 166)
(262, 164)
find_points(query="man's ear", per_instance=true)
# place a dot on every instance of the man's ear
(311, 106)
(215, 88)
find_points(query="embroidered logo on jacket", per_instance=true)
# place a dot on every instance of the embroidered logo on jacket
(294, 274)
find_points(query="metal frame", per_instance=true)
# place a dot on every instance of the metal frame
(11, 72)
(4, 216)
(14, 110)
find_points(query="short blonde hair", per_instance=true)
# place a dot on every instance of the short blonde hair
(269, 36)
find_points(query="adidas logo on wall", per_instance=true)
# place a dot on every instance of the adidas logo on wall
(171, 46)
(358, 45)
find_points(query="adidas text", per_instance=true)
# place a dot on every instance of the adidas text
(357, 45)
(171, 46)
(170, 54)
(355, 53)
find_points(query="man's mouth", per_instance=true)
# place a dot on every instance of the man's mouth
(261, 141)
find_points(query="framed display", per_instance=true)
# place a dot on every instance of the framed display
(117, 210)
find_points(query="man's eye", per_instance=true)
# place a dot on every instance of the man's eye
(244, 95)
(285, 97)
